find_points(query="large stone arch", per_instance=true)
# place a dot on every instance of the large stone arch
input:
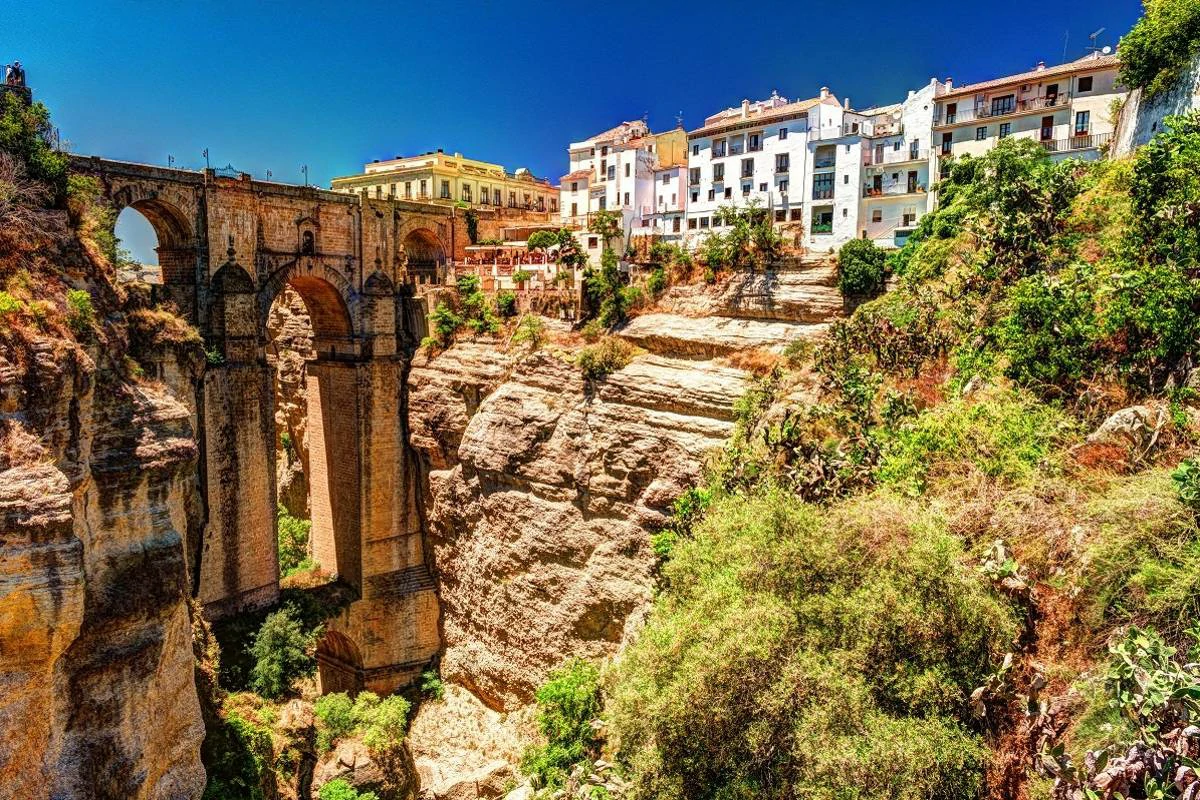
(424, 254)
(172, 216)
(333, 305)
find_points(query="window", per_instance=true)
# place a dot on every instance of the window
(780, 215)
(951, 113)
(512, 200)
(822, 222)
(783, 187)
(692, 224)
(712, 194)
(747, 167)
(718, 173)
(981, 133)
(796, 214)
(716, 221)
(466, 194)
(877, 215)
(1085, 84)
(612, 171)
(626, 170)
(718, 148)
(845, 179)
(1082, 122)
(1003, 105)
(592, 242)
(604, 150)
(424, 189)
(666, 179)
(574, 209)
(762, 187)
(496, 195)
(746, 189)
(914, 149)
(672, 198)
(947, 138)
(1047, 128)
(823, 186)
(574, 186)
(627, 198)
(1005, 130)
(694, 176)
(704, 222)
(782, 162)
(408, 188)
(446, 190)
(755, 143)
(378, 192)
(783, 133)
(554, 204)
(695, 197)
(695, 152)
(736, 146)
(728, 193)
(896, 146)
(675, 225)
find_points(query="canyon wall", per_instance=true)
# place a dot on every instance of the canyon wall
(98, 493)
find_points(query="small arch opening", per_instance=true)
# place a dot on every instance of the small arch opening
(137, 248)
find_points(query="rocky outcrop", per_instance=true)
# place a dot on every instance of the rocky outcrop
(711, 337)
(800, 292)
(97, 494)
(542, 494)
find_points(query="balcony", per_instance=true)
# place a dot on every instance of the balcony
(822, 194)
(782, 169)
(895, 190)
(1080, 142)
(996, 111)
(895, 157)
(825, 162)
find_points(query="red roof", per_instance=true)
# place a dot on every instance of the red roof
(734, 116)
(576, 175)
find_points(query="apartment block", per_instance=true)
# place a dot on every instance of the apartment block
(1067, 108)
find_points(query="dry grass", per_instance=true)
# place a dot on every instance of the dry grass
(758, 361)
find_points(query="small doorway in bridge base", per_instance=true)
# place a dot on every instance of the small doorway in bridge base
(339, 665)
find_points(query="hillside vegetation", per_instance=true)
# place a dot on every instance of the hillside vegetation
(969, 570)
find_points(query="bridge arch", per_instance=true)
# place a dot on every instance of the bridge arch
(172, 227)
(339, 664)
(424, 254)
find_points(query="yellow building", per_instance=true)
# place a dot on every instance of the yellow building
(440, 178)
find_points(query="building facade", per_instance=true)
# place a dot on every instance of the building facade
(440, 178)
(1067, 108)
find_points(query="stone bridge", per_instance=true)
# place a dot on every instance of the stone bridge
(227, 247)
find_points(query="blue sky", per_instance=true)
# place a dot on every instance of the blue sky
(275, 85)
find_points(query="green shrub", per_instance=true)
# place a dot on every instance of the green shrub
(26, 132)
(236, 753)
(567, 704)
(81, 317)
(282, 652)
(862, 268)
(521, 276)
(471, 217)
(335, 719)
(600, 360)
(805, 653)
(383, 725)
(506, 304)
(432, 686)
(9, 305)
(340, 789)
(542, 240)
(293, 541)
(656, 282)
(445, 322)
(604, 288)
(531, 331)
(1051, 335)
(1005, 436)
(1187, 483)
(1160, 46)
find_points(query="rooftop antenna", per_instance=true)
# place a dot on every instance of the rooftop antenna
(1092, 47)
(679, 119)
(1066, 38)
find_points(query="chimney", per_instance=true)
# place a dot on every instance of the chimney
(949, 84)
(824, 92)
(846, 103)
(745, 108)
(1041, 65)
(910, 94)
(439, 149)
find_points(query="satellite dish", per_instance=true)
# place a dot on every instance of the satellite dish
(1106, 50)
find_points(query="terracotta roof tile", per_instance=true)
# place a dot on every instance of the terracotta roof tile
(576, 175)
(734, 116)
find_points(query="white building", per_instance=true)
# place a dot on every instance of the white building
(665, 218)
(1067, 108)
(615, 171)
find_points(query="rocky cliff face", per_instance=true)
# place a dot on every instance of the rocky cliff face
(290, 331)
(97, 496)
(543, 490)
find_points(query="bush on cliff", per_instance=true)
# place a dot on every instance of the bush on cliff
(862, 268)
(282, 652)
(568, 704)
(809, 653)
(1160, 46)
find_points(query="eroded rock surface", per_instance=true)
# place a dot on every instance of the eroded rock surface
(542, 494)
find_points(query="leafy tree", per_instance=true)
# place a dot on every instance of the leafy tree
(862, 268)
(1161, 45)
(605, 290)
(293, 541)
(25, 131)
(335, 719)
(542, 241)
(282, 652)
(1166, 194)
(506, 304)
(606, 225)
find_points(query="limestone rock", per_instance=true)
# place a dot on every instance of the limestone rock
(803, 293)
(542, 497)
(709, 337)
(1134, 427)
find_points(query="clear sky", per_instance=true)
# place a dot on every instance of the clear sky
(276, 85)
